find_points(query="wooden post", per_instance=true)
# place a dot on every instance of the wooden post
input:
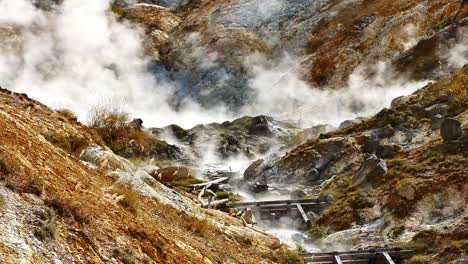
(303, 214)
(388, 259)
(337, 260)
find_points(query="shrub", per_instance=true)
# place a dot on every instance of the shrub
(120, 135)
(69, 143)
(201, 227)
(418, 259)
(47, 230)
(291, 257)
(68, 208)
(130, 199)
(111, 126)
(2, 201)
(67, 113)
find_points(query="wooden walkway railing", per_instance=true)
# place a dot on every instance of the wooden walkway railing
(374, 256)
(283, 207)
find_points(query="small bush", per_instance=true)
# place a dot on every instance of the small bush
(69, 143)
(201, 227)
(222, 195)
(47, 230)
(68, 208)
(291, 257)
(34, 187)
(2, 201)
(130, 199)
(120, 135)
(67, 113)
(111, 126)
(418, 259)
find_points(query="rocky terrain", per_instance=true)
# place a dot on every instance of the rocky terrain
(66, 197)
(329, 38)
(116, 189)
(397, 178)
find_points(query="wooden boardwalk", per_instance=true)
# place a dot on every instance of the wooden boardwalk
(292, 208)
(374, 256)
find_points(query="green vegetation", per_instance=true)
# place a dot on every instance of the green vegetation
(2, 201)
(67, 113)
(68, 208)
(130, 199)
(202, 227)
(47, 230)
(290, 257)
(69, 143)
(120, 136)
(418, 259)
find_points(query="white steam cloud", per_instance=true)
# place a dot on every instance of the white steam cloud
(81, 57)
(282, 93)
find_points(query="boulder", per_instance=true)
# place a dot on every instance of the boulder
(248, 217)
(436, 121)
(312, 175)
(106, 159)
(386, 150)
(313, 217)
(262, 126)
(253, 170)
(407, 192)
(348, 123)
(371, 169)
(437, 109)
(451, 129)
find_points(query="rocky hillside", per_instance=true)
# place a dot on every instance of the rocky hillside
(65, 197)
(209, 44)
(397, 178)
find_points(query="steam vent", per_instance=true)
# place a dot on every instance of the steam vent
(233, 131)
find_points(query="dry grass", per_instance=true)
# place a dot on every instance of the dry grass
(202, 227)
(120, 136)
(418, 259)
(69, 143)
(130, 199)
(67, 113)
(67, 207)
(2, 201)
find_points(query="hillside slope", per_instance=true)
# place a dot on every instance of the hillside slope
(397, 178)
(55, 208)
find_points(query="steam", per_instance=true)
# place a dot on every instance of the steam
(81, 57)
(281, 92)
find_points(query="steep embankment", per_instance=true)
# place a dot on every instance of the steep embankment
(56, 207)
(397, 178)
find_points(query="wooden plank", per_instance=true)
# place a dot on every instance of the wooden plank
(303, 214)
(293, 201)
(357, 255)
(210, 182)
(338, 260)
(388, 258)
(358, 251)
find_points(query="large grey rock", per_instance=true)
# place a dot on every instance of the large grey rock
(253, 170)
(436, 121)
(451, 129)
(371, 169)
(348, 123)
(437, 109)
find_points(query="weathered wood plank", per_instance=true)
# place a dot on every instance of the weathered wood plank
(338, 260)
(388, 258)
(293, 201)
(210, 182)
(303, 214)
(358, 251)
